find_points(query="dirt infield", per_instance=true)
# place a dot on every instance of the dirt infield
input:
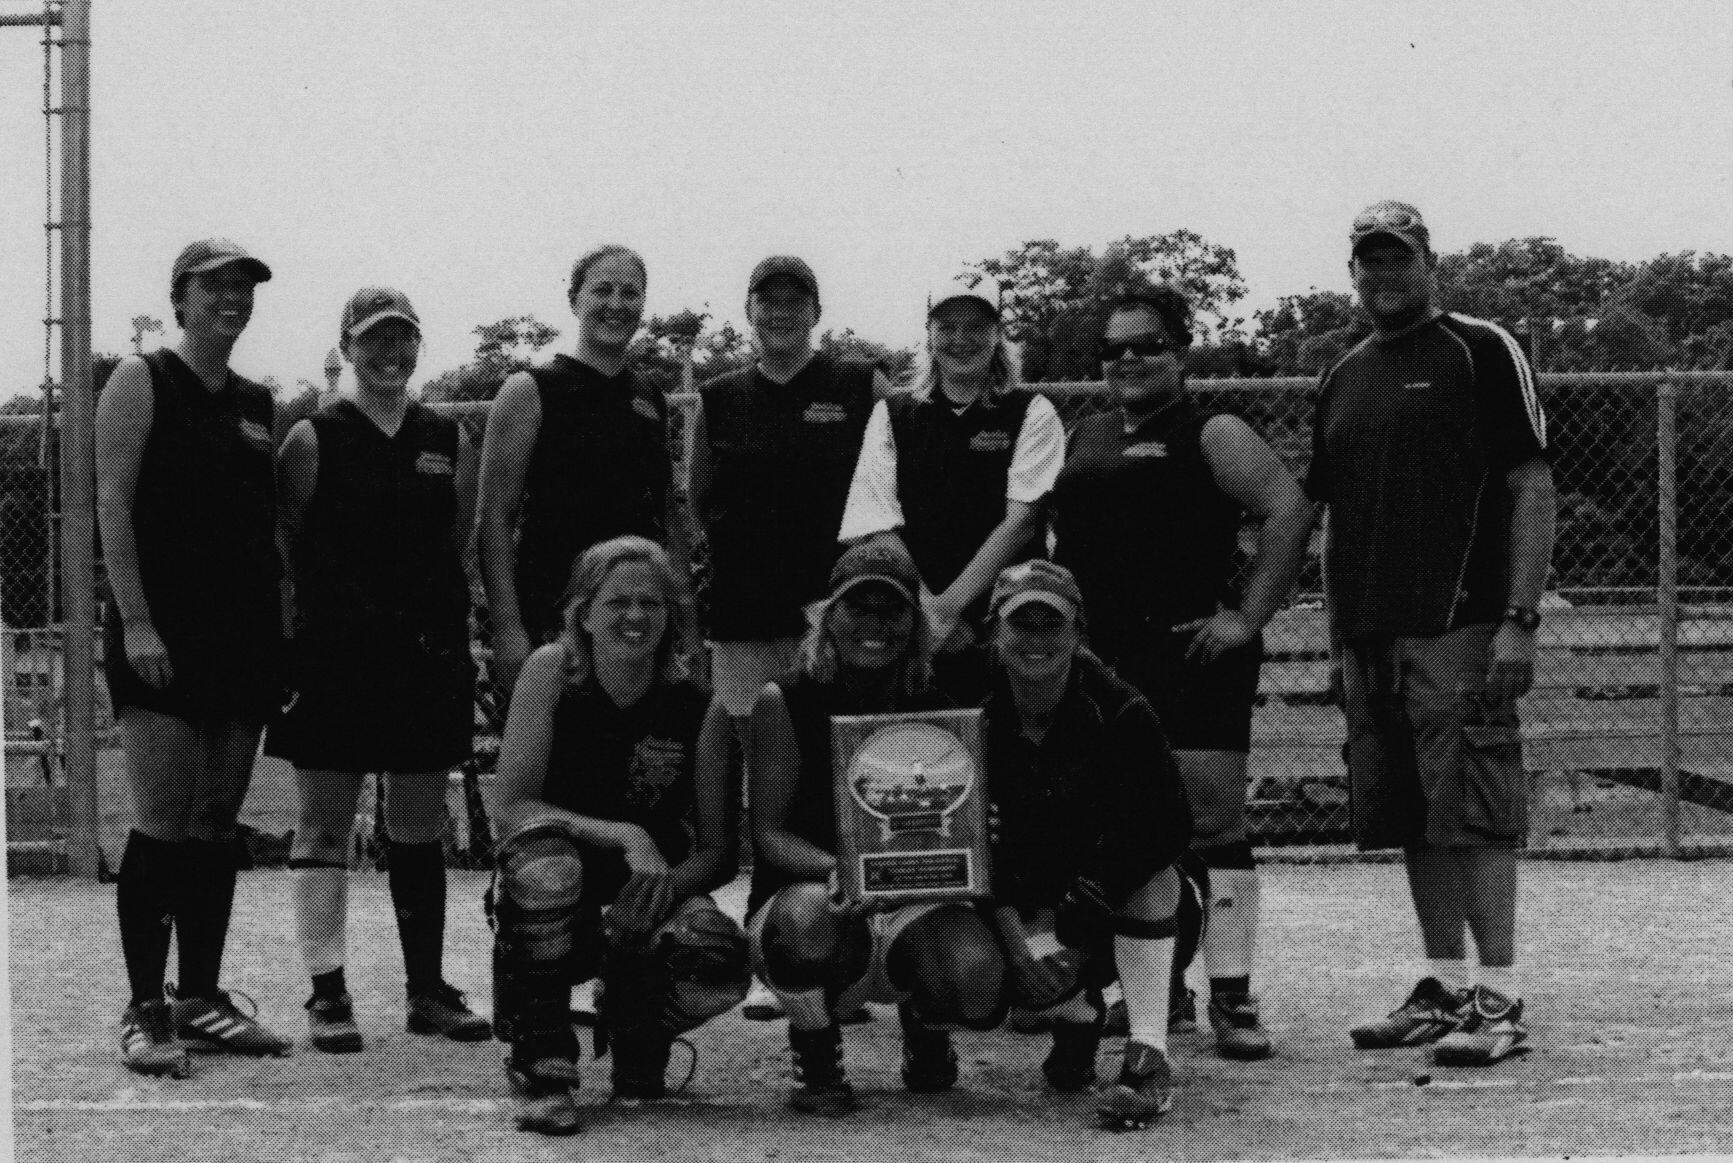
(1628, 972)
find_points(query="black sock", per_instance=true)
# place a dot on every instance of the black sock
(417, 875)
(144, 902)
(202, 914)
(330, 984)
(1223, 987)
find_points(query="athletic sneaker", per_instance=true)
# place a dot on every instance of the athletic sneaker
(441, 1010)
(820, 1088)
(640, 1067)
(1143, 1093)
(1491, 1031)
(543, 1087)
(147, 1040)
(1430, 1012)
(1070, 1064)
(929, 1059)
(1239, 1031)
(213, 1023)
(331, 1024)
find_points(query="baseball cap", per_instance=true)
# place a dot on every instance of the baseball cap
(967, 283)
(784, 264)
(1036, 581)
(882, 559)
(373, 305)
(1389, 219)
(207, 254)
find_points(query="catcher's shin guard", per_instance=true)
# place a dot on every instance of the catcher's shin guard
(537, 920)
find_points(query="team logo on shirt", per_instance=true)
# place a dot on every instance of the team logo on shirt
(434, 464)
(825, 412)
(644, 408)
(1145, 448)
(1417, 385)
(992, 440)
(656, 764)
(255, 432)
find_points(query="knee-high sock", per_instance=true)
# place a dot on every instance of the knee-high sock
(1231, 934)
(321, 913)
(144, 903)
(417, 875)
(206, 899)
(1145, 969)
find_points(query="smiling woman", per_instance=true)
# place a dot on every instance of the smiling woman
(575, 452)
(958, 470)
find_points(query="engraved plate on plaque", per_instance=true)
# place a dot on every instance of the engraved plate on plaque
(911, 805)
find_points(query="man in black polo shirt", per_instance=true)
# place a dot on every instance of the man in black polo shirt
(772, 455)
(1429, 449)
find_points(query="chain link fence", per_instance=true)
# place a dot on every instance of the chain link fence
(1628, 735)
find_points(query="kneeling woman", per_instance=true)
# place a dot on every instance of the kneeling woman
(1092, 816)
(613, 811)
(822, 953)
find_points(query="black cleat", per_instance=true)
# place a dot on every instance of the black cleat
(1143, 1093)
(929, 1060)
(820, 1088)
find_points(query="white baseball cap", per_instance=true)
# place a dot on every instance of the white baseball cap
(968, 283)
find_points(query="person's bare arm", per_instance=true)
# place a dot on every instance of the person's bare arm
(1248, 470)
(124, 414)
(709, 866)
(1533, 524)
(297, 477)
(775, 771)
(1013, 532)
(513, 422)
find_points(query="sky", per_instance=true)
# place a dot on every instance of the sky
(467, 153)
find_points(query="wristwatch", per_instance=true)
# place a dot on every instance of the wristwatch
(1525, 617)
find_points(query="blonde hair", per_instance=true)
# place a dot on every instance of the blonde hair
(1003, 372)
(817, 659)
(590, 573)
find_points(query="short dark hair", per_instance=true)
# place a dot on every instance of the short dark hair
(1165, 301)
(606, 250)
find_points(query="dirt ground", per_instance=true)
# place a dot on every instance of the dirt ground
(1627, 968)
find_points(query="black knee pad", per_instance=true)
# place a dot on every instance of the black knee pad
(794, 974)
(1237, 854)
(538, 893)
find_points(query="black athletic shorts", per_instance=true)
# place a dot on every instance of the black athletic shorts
(406, 708)
(1202, 708)
(230, 671)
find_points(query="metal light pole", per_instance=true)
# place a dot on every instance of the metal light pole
(77, 437)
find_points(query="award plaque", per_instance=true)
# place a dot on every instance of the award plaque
(911, 806)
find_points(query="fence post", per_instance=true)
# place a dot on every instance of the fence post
(1667, 600)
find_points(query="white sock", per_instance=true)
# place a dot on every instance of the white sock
(1230, 936)
(1501, 979)
(321, 908)
(1145, 967)
(1451, 971)
(806, 1008)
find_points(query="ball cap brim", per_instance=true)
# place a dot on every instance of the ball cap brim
(882, 560)
(371, 306)
(208, 254)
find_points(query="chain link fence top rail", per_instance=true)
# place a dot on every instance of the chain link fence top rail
(1644, 475)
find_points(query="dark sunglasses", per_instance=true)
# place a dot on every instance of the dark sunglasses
(1140, 346)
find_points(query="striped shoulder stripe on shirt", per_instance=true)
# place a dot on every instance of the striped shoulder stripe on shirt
(1524, 374)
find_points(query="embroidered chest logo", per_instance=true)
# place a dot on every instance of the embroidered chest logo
(255, 432)
(435, 464)
(993, 440)
(1145, 448)
(645, 408)
(825, 412)
(656, 764)
(1417, 386)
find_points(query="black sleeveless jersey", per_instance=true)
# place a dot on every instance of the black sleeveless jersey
(1141, 522)
(952, 472)
(374, 561)
(204, 521)
(781, 459)
(812, 810)
(634, 764)
(599, 469)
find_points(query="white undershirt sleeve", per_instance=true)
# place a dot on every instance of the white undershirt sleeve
(873, 506)
(1039, 455)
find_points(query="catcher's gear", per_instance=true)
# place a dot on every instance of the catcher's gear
(692, 969)
(1193, 913)
(539, 919)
